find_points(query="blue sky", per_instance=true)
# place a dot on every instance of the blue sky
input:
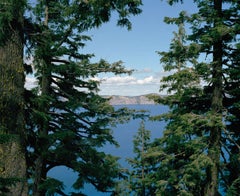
(136, 48)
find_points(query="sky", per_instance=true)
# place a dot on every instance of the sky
(137, 48)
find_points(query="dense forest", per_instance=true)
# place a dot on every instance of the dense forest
(63, 121)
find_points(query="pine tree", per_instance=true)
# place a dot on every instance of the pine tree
(67, 120)
(200, 146)
(179, 153)
(139, 167)
(12, 156)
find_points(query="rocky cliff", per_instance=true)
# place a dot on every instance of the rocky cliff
(127, 100)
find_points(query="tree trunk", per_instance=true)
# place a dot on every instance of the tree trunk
(40, 172)
(40, 176)
(40, 163)
(12, 154)
(13, 166)
(214, 152)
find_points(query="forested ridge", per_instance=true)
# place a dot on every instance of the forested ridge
(128, 100)
(63, 121)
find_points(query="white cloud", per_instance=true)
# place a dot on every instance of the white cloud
(129, 85)
(129, 80)
(132, 85)
(30, 82)
(132, 90)
(148, 80)
(118, 80)
(121, 85)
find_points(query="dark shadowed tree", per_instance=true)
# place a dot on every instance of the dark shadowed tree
(13, 179)
(68, 122)
(199, 152)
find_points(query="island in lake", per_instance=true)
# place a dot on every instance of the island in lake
(130, 100)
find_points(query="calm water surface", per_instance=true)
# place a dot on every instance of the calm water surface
(123, 133)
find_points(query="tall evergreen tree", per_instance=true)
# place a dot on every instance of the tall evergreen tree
(12, 156)
(68, 121)
(139, 167)
(178, 153)
(200, 146)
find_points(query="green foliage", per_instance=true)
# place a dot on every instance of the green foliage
(67, 121)
(52, 186)
(6, 183)
(234, 189)
(200, 146)
(138, 182)
(5, 138)
(9, 16)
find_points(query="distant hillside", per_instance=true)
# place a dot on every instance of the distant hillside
(127, 100)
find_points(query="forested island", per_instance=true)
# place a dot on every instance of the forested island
(128, 100)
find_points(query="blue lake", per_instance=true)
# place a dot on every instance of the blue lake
(123, 133)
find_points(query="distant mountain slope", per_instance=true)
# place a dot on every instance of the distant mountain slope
(127, 100)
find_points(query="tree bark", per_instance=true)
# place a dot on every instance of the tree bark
(12, 152)
(40, 163)
(13, 166)
(40, 171)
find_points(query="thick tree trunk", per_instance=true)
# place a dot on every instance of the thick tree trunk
(215, 133)
(13, 166)
(12, 154)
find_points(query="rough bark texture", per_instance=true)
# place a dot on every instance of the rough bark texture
(12, 155)
(12, 160)
(40, 176)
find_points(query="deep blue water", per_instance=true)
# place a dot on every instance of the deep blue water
(123, 133)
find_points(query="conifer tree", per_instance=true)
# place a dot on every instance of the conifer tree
(200, 147)
(178, 152)
(67, 120)
(139, 167)
(13, 178)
